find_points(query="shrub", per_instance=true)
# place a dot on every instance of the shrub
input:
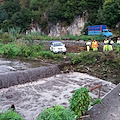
(80, 101)
(50, 55)
(85, 58)
(56, 113)
(10, 50)
(10, 115)
(13, 32)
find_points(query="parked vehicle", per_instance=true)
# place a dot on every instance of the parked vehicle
(57, 47)
(99, 29)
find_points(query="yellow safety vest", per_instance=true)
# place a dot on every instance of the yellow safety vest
(118, 42)
(106, 42)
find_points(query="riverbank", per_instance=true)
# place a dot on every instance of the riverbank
(111, 111)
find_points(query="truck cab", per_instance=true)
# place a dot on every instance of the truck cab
(107, 33)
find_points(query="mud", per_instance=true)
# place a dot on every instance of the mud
(31, 98)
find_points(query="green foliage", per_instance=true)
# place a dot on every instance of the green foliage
(3, 14)
(34, 4)
(21, 15)
(1, 32)
(13, 32)
(35, 15)
(37, 36)
(43, 24)
(11, 6)
(22, 50)
(80, 101)
(5, 25)
(5, 38)
(26, 51)
(111, 12)
(97, 101)
(50, 55)
(17, 20)
(117, 80)
(100, 20)
(10, 115)
(54, 12)
(24, 18)
(10, 50)
(85, 58)
(56, 113)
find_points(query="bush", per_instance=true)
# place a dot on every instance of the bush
(50, 55)
(85, 58)
(56, 113)
(80, 101)
(10, 50)
(10, 115)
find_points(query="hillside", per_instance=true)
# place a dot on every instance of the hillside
(21, 14)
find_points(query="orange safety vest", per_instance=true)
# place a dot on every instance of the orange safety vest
(94, 44)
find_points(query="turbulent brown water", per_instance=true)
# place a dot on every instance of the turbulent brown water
(32, 98)
(32, 86)
(14, 72)
(9, 65)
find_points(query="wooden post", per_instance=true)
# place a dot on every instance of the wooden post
(99, 86)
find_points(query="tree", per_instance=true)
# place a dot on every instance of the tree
(11, 6)
(3, 14)
(100, 17)
(21, 19)
(54, 12)
(111, 12)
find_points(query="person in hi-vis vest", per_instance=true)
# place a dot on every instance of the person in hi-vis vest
(118, 44)
(110, 44)
(105, 47)
(88, 45)
(95, 45)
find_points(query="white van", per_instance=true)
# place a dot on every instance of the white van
(57, 47)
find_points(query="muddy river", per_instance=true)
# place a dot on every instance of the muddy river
(31, 98)
(9, 65)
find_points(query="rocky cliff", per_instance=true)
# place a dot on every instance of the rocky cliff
(58, 30)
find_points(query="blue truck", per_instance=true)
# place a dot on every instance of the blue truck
(99, 29)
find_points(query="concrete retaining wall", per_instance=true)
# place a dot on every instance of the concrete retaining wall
(15, 78)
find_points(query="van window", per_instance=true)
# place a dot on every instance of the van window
(58, 44)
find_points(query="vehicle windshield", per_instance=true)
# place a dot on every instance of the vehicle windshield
(58, 44)
(106, 30)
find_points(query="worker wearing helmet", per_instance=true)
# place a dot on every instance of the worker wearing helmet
(94, 45)
(88, 45)
(105, 47)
